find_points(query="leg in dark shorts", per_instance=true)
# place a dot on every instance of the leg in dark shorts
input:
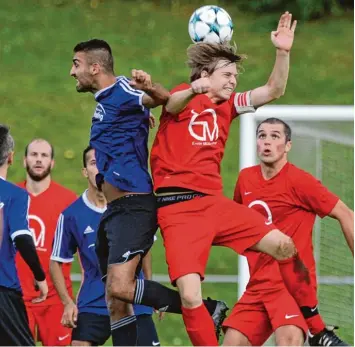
(92, 327)
(127, 229)
(14, 328)
(147, 334)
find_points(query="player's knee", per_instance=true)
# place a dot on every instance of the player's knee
(291, 336)
(81, 343)
(190, 290)
(285, 249)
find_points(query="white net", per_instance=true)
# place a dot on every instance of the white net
(326, 149)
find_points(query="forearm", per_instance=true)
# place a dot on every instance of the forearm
(347, 225)
(178, 101)
(27, 249)
(278, 79)
(157, 94)
(147, 266)
(55, 269)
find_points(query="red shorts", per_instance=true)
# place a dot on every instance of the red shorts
(257, 316)
(190, 228)
(45, 324)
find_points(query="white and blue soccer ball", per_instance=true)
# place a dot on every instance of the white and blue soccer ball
(210, 24)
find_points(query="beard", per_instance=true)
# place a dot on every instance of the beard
(38, 177)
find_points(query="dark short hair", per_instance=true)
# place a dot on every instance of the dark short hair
(7, 143)
(101, 52)
(274, 120)
(39, 139)
(85, 152)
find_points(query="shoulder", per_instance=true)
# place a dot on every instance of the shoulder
(62, 192)
(248, 172)
(73, 208)
(180, 87)
(299, 177)
(12, 190)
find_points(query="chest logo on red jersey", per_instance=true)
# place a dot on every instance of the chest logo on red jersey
(203, 127)
(38, 230)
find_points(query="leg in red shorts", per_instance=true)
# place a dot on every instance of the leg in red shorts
(284, 312)
(250, 318)
(50, 329)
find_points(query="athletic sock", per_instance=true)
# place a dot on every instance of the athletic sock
(313, 319)
(124, 331)
(199, 326)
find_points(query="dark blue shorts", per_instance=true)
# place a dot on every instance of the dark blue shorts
(92, 327)
(126, 229)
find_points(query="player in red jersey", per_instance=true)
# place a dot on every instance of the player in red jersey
(48, 199)
(193, 214)
(291, 199)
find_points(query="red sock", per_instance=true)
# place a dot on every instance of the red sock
(315, 324)
(199, 326)
(298, 282)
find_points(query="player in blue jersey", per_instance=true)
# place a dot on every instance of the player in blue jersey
(15, 235)
(76, 232)
(119, 135)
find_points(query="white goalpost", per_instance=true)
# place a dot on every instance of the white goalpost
(323, 144)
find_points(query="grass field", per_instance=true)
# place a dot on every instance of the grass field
(38, 97)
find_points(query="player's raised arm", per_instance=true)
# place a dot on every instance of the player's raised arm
(275, 87)
(155, 94)
(345, 217)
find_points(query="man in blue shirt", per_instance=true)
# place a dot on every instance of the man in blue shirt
(76, 232)
(15, 235)
(119, 135)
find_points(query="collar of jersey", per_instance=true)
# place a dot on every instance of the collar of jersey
(90, 205)
(98, 93)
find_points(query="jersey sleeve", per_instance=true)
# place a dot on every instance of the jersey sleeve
(18, 215)
(242, 103)
(237, 192)
(312, 195)
(64, 243)
(133, 98)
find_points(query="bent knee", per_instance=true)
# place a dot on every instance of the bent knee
(234, 337)
(289, 335)
(80, 343)
(285, 248)
(190, 290)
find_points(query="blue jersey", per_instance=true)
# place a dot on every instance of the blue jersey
(76, 231)
(14, 204)
(119, 134)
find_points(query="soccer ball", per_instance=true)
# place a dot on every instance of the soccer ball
(210, 24)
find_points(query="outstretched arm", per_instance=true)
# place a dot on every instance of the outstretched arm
(155, 94)
(345, 217)
(275, 87)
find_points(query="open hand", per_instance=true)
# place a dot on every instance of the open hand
(283, 37)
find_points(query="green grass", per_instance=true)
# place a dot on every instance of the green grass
(38, 98)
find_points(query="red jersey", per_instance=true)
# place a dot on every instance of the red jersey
(189, 147)
(290, 200)
(44, 211)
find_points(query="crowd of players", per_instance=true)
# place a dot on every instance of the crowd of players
(112, 225)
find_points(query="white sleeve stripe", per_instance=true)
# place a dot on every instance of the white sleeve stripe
(62, 260)
(125, 85)
(58, 236)
(20, 232)
(126, 81)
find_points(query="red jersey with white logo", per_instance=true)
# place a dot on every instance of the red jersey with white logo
(189, 147)
(290, 200)
(44, 211)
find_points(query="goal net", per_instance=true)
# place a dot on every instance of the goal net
(322, 144)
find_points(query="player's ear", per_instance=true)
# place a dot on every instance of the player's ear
(84, 171)
(24, 162)
(10, 158)
(95, 68)
(52, 164)
(288, 146)
(204, 73)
